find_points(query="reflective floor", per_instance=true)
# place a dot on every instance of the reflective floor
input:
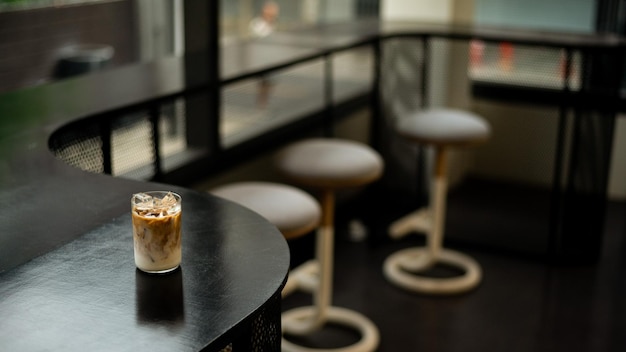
(521, 304)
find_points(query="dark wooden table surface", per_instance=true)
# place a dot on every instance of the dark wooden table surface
(87, 294)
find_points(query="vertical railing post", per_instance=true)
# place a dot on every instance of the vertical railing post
(329, 105)
(425, 64)
(154, 117)
(556, 196)
(376, 98)
(105, 134)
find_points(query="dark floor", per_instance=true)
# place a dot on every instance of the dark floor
(522, 304)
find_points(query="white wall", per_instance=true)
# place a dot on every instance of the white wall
(422, 10)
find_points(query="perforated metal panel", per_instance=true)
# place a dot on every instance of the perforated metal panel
(266, 329)
(124, 145)
(132, 146)
(401, 85)
(402, 91)
(81, 148)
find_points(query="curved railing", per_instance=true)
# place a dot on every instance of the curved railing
(317, 49)
(579, 75)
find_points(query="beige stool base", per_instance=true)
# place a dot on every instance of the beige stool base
(341, 316)
(417, 221)
(304, 278)
(397, 265)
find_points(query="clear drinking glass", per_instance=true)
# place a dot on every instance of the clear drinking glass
(157, 230)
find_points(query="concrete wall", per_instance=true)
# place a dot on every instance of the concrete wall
(31, 40)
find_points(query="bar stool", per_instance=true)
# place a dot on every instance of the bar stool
(293, 211)
(327, 165)
(441, 129)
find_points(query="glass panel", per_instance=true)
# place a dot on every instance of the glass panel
(80, 147)
(237, 15)
(527, 66)
(238, 18)
(132, 149)
(352, 73)
(254, 106)
(51, 40)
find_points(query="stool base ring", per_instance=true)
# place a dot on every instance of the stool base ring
(397, 265)
(340, 316)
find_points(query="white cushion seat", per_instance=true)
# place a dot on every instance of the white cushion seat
(293, 211)
(444, 126)
(330, 163)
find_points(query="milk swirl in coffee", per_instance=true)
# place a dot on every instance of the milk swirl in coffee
(156, 218)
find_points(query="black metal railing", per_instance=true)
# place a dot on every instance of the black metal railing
(577, 76)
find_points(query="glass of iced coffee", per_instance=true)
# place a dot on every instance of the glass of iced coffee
(157, 231)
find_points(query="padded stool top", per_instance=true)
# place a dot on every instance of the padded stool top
(330, 163)
(444, 127)
(293, 211)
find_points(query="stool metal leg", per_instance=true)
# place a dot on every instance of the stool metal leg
(419, 221)
(438, 204)
(304, 320)
(304, 278)
(403, 267)
(323, 271)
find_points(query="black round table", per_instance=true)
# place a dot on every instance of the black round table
(68, 281)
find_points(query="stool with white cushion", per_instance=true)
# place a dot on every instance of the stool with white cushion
(293, 211)
(327, 165)
(440, 129)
